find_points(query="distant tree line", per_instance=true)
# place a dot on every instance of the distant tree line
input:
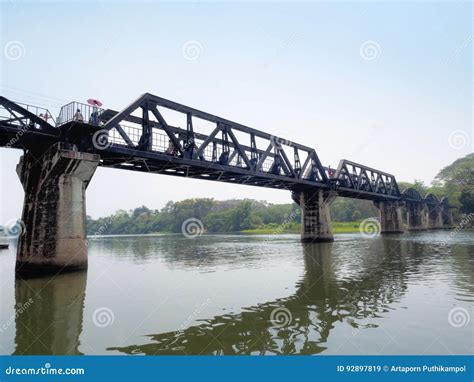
(455, 181)
(219, 216)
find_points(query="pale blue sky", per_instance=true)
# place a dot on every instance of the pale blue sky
(294, 69)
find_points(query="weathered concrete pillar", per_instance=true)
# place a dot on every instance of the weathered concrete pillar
(390, 217)
(435, 219)
(417, 216)
(315, 215)
(54, 211)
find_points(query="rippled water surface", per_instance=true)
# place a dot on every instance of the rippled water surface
(234, 294)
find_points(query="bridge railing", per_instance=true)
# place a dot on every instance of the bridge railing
(7, 114)
(160, 143)
(90, 114)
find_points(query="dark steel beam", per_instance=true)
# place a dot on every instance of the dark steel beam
(239, 148)
(166, 128)
(213, 118)
(203, 145)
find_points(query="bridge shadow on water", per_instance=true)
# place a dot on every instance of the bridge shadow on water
(357, 290)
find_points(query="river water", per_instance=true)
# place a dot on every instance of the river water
(236, 294)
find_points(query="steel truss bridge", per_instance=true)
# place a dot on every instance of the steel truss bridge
(157, 135)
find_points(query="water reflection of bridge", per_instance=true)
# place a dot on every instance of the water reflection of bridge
(52, 321)
(310, 314)
(326, 294)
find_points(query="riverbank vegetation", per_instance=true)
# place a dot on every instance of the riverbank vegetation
(455, 181)
(248, 216)
(271, 229)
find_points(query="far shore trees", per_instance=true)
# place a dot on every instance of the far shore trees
(455, 181)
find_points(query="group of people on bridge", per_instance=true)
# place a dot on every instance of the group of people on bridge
(93, 119)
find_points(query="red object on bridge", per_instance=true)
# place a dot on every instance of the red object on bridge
(94, 102)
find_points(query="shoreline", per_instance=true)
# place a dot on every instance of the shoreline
(338, 228)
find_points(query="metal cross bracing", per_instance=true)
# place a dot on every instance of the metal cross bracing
(16, 115)
(363, 180)
(157, 135)
(229, 152)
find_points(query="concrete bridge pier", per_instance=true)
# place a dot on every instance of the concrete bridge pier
(54, 211)
(417, 214)
(435, 218)
(390, 216)
(315, 215)
(446, 216)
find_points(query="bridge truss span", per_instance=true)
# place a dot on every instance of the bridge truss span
(189, 142)
(356, 180)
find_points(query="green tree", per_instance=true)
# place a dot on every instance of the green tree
(456, 182)
(466, 200)
(417, 184)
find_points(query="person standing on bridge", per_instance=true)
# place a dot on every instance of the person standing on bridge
(330, 172)
(45, 116)
(94, 119)
(171, 150)
(78, 116)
